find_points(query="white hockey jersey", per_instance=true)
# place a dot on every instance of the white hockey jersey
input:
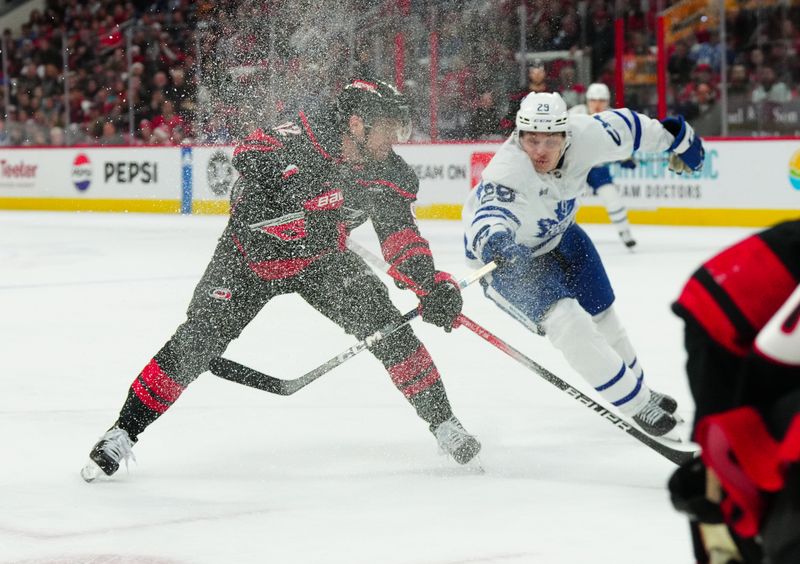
(537, 208)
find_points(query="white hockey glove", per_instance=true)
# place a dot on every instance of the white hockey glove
(686, 151)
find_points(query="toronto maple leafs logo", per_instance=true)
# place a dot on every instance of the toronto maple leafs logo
(549, 228)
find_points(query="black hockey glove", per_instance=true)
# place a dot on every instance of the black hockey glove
(442, 305)
(687, 488)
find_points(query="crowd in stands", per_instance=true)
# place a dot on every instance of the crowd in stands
(165, 72)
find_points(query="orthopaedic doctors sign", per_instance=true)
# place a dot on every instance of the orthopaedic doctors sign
(743, 182)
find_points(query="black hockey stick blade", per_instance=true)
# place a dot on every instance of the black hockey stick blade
(241, 374)
(235, 372)
(676, 455)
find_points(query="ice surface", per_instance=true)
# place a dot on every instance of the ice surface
(340, 472)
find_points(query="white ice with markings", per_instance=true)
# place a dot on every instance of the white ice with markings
(342, 471)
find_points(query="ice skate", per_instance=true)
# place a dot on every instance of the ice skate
(456, 441)
(627, 238)
(667, 403)
(112, 448)
(654, 419)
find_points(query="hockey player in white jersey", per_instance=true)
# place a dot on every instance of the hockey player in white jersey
(599, 180)
(550, 278)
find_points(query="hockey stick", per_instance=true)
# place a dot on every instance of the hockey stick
(675, 455)
(235, 372)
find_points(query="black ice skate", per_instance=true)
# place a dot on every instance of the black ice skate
(112, 448)
(665, 402)
(654, 419)
(455, 441)
(627, 238)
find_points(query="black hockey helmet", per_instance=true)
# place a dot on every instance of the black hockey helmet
(373, 99)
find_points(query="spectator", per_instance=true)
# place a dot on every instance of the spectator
(4, 137)
(769, 89)
(680, 65)
(537, 82)
(485, 120)
(57, 137)
(568, 34)
(110, 135)
(571, 92)
(600, 37)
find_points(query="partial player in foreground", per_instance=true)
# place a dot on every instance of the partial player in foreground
(599, 180)
(742, 314)
(286, 234)
(550, 278)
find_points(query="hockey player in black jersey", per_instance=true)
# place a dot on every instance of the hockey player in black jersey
(742, 314)
(303, 185)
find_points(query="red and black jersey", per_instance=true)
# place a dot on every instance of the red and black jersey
(286, 206)
(735, 293)
(386, 192)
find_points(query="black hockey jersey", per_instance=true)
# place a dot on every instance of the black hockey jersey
(286, 205)
(386, 193)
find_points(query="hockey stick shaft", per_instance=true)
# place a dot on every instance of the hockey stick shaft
(675, 455)
(236, 372)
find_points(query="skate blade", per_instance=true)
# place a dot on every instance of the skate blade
(474, 466)
(91, 471)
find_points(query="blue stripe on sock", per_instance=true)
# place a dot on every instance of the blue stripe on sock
(613, 381)
(631, 395)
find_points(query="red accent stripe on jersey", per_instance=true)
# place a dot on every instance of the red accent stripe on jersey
(158, 381)
(282, 268)
(288, 173)
(408, 369)
(145, 397)
(312, 137)
(289, 231)
(414, 251)
(400, 277)
(442, 276)
(394, 244)
(247, 148)
(756, 299)
(341, 240)
(277, 269)
(423, 384)
(391, 185)
(260, 136)
(706, 311)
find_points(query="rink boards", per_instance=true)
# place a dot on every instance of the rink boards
(743, 183)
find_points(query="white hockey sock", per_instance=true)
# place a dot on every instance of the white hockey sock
(611, 328)
(571, 330)
(617, 211)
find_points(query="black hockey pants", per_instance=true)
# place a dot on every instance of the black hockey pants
(229, 295)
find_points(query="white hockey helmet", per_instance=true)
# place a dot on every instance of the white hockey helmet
(542, 111)
(598, 91)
